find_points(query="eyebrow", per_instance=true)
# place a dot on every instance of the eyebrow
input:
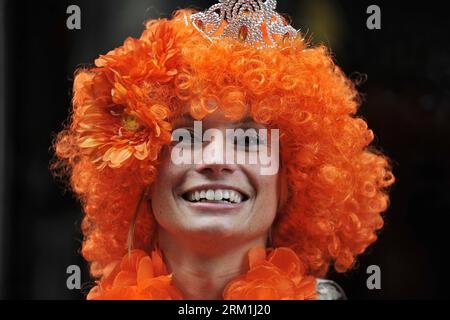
(184, 118)
(246, 120)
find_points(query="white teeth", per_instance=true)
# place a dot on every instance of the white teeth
(218, 195)
(215, 195)
(210, 195)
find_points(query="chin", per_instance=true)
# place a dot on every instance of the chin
(213, 228)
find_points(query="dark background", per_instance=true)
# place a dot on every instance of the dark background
(407, 104)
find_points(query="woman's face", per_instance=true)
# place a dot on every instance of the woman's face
(215, 200)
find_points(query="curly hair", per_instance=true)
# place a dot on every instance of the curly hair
(123, 109)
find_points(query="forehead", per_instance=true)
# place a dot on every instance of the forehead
(216, 118)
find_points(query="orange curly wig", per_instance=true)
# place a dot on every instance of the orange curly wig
(123, 110)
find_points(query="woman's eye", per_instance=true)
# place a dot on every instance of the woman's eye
(249, 142)
(194, 136)
(190, 138)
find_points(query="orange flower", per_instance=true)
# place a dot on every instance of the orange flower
(114, 135)
(280, 277)
(116, 115)
(137, 277)
(152, 58)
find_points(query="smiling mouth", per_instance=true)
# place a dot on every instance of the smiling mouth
(215, 196)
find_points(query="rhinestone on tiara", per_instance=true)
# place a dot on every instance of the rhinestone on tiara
(253, 22)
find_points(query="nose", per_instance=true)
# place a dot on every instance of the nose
(214, 158)
(215, 169)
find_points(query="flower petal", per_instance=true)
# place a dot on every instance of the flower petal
(287, 260)
(119, 156)
(89, 142)
(141, 151)
(159, 266)
(256, 255)
(124, 279)
(263, 272)
(130, 262)
(262, 293)
(145, 269)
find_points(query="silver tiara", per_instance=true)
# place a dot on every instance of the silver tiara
(253, 22)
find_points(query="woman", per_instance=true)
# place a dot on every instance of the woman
(158, 228)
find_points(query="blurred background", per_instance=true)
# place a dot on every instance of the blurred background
(406, 68)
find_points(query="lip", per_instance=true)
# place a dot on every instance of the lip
(214, 187)
(214, 206)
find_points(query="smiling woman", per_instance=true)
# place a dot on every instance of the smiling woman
(202, 209)
(157, 229)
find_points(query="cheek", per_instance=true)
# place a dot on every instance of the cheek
(266, 201)
(162, 189)
(158, 195)
(268, 192)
